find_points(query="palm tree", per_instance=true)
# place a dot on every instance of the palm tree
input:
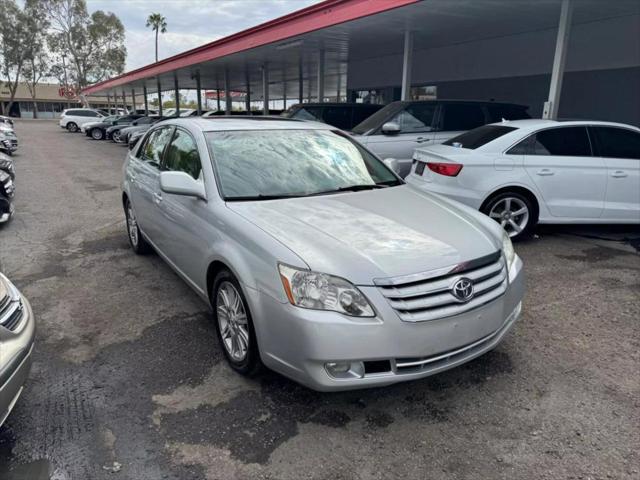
(159, 24)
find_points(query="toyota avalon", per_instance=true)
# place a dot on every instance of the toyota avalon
(317, 260)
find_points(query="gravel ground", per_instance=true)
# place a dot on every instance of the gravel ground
(129, 382)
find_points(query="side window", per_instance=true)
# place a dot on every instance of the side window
(615, 142)
(89, 113)
(362, 113)
(182, 155)
(72, 113)
(338, 117)
(416, 118)
(565, 141)
(462, 117)
(151, 151)
(525, 147)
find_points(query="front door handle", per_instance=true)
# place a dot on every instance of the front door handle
(545, 172)
(619, 174)
(157, 197)
(422, 140)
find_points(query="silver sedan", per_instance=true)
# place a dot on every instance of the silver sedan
(317, 260)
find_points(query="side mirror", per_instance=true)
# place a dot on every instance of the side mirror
(392, 163)
(390, 128)
(181, 183)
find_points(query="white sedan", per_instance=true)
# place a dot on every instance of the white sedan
(524, 172)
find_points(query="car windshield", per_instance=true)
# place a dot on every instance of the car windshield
(110, 118)
(479, 136)
(377, 119)
(266, 164)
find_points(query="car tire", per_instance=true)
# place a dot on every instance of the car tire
(72, 127)
(138, 244)
(514, 211)
(234, 324)
(115, 136)
(97, 134)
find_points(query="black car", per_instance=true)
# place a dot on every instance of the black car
(6, 196)
(7, 166)
(344, 116)
(98, 131)
(114, 132)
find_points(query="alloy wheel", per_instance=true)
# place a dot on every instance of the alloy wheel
(232, 321)
(512, 214)
(96, 134)
(132, 226)
(116, 136)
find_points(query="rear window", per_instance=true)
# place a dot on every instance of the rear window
(479, 136)
(377, 119)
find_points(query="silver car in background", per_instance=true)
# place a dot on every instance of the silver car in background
(318, 261)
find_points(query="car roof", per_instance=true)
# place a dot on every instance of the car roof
(536, 123)
(336, 104)
(216, 124)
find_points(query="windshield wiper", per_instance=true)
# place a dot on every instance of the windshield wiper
(251, 198)
(351, 188)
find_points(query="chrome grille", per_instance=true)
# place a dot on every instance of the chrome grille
(11, 308)
(429, 295)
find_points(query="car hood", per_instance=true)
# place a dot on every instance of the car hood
(362, 236)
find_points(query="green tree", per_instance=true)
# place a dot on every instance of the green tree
(93, 44)
(159, 25)
(22, 33)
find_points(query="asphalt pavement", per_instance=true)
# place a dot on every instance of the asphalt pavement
(129, 381)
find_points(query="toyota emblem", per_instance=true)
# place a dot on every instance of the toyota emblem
(463, 290)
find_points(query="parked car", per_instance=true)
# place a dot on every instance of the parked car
(7, 166)
(100, 131)
(140, 125)
(89, 125)
(341, 115)
(73, 118)
(143, 112)
(6, 121)
(17, 334)
(113, 132)
(399, 128)
(135, 137)
(8, 140)
(292, 230)
(115, 111)
(538, 171)
(240, 113)
(6, 199)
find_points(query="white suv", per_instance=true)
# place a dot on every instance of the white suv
(73, 118)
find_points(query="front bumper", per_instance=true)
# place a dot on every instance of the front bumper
(15, 362)
(6, 209)
(298, 342)
(10, 145)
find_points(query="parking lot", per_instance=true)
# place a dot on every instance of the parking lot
(129, 381)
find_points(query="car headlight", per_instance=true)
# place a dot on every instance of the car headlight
(319, 291)
(507, 248)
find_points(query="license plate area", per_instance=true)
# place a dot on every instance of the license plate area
(420, 168)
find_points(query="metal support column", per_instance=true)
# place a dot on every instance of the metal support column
(146, 100)
(284, 88)
(407, 62)
(133, 99)
(557, 73)
(124, 101)
(159, 98)
(109, 103)
(321, 76)
(227, 93)
(199, 92)
(247, 97)
(300, 81)
(177, 94)
(265, 89)
(218, 99)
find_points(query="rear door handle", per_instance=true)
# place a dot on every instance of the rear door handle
(422, 140)
(545, 172)
(619, 174)
(157, 197)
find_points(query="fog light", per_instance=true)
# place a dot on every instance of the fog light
(345, 369)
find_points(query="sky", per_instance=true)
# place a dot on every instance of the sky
(190, 23)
